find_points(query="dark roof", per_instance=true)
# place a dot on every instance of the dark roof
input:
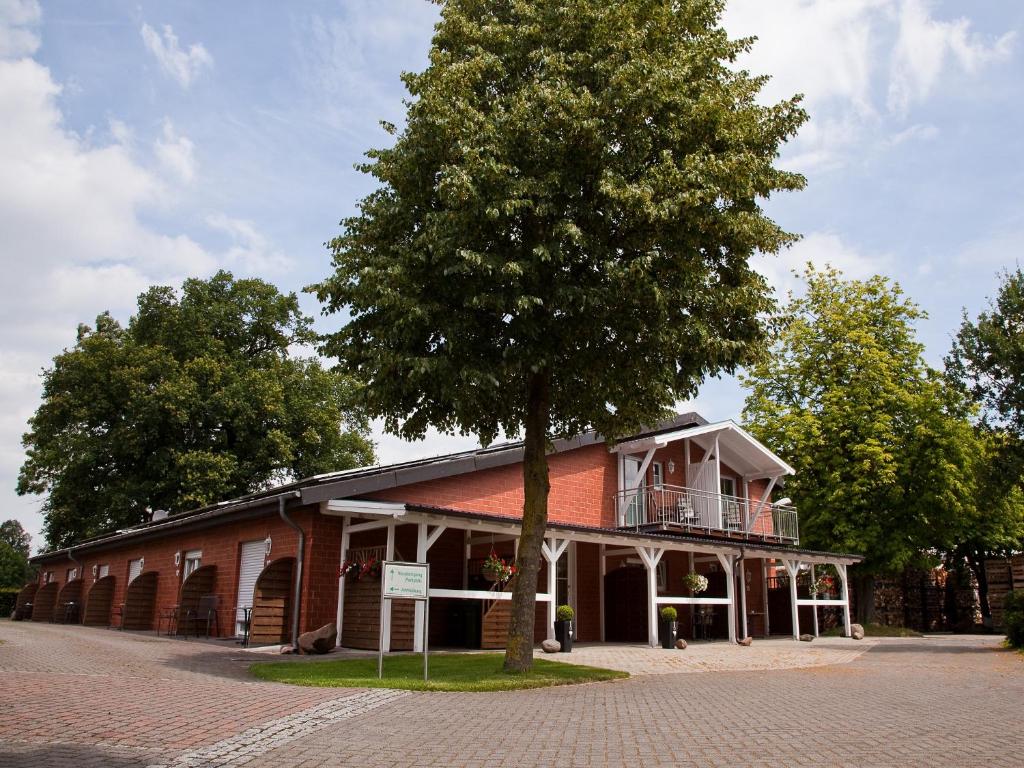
(363, 480)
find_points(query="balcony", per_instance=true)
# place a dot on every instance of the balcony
(695, 511)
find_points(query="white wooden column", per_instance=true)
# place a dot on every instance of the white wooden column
(389, 554)
(651, 558)
(841, 570)
(728, 563)
(552, 549)
(743, 596)
(345, 539)
(814, 608)
(425, 539)
(792, 568)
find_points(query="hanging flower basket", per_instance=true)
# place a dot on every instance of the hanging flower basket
(353, 570)
(695, 582)
(496, 569)
(823, 586)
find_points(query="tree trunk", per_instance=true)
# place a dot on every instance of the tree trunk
(976, 562)
(865, 587)
(519, 648)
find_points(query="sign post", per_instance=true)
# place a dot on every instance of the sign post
(404, 581)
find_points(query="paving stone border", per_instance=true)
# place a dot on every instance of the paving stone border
(256, 741)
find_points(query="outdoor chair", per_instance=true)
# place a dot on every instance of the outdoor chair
(170, 616)
(205, 613)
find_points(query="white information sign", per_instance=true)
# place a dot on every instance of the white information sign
(404, 581)
(407, 581)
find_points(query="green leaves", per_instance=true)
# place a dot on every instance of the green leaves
(576, 191)
(198, 400)
(884, 452)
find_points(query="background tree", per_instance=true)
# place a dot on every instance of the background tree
(12, 532)
(881, 443)
(987, 360)
(561, 232)
(196, 400)
(14, 567)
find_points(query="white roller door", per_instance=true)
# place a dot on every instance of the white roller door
(249, 568)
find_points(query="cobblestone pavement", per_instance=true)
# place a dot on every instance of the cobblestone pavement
(73, 696)
(771, 654)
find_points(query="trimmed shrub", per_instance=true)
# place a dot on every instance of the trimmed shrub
(1013, 618)
(668, 613)
(564, 613)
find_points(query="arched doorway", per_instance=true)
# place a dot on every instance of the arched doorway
(140, 602)
(98, 603)
(272, 603)
(69, 603)
(23, 603)
(44, 601)
(198, 584)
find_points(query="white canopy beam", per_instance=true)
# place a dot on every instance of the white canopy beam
(552, 549)
(728, 563)
(792, 569)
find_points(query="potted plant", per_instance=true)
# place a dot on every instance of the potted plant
(821, 588)
(669, 627)
(695, 582)
(496, 569)
(563, 627)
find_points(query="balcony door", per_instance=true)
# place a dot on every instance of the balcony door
(634, 501)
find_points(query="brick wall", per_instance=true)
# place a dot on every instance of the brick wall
(583, 482)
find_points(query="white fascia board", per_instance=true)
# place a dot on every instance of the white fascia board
(777, 465)
(364, 508)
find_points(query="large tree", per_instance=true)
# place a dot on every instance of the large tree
(560, 236)
(198, 399)
(881, 443)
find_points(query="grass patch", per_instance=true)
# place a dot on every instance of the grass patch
(876, 630)
(448, 672)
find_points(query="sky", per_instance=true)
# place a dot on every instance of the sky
(145, 142)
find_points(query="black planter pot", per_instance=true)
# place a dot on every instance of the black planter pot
(563, 634)
(669, 632)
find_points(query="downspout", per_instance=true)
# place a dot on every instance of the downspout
(301, 556)
(78, 565)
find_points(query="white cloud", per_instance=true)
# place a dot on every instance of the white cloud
(176, 153)
(859, 63)
(78, 238)
(924, 46)
(183, 66)
(17, 34)
(250, 251)
(819, 249)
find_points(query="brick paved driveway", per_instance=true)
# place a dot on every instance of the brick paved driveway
(73, 696)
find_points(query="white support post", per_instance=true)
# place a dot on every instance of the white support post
(841, 570)
(718, 487)
(425, 539)
(728, 563)
(389, 554)
(345, 540)
(792, 568)
(743, 596)
(814, 608)
(601, 557)
(552, 550)
(764, 596)
(651, 558)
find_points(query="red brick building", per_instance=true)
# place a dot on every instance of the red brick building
(627, 523)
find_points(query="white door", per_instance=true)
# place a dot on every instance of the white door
(249, 568)
(134, 569)
(634, 500)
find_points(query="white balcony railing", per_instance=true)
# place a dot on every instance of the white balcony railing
(712, 512)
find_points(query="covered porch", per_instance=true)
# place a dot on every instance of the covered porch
(616, 580)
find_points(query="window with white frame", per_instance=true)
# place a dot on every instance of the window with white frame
(104, 570)
(193, 559)
(657, 474)
(72, 574)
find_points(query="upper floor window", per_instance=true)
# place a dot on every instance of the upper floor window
(728, 486)
(47, 577)
(72, 574)
(657, 474)
(193, 559)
